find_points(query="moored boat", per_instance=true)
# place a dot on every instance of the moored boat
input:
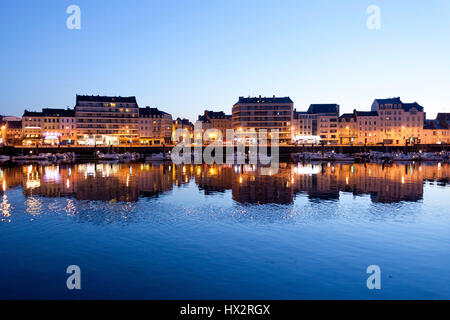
(4, 158)
(158, 157)
(108, 156)
(30, 158)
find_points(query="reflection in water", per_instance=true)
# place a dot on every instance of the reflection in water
(34, 206)
(5, 208)
(128, 182)
(204, 231)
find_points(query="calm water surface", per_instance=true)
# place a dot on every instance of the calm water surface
(142, 231)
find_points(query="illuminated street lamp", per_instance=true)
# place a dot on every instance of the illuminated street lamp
(3, 134)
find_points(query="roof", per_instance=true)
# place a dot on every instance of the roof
(366, 113)
(405, 106)
(408, 106)
(148, 111)
(444, 120)
(68, 113)
(27, 113)
(58, 112)
(297, 114)
(119, 99)
(324, 108)
(434, 125)
(14, 124)
(264, 100)
(183, 121)
(389, 101)
(347, 117)
(203, 118)
(443, 116)
(50, 112)
(217, 115)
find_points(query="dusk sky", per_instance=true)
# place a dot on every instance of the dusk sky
(188, 56)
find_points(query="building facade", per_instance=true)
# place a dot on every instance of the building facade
(68, 127)
(155, 126)
(348, 132)
(32, 127)
(218, 121)
(398, 123)
(318, 123)
(390, 122)
(102, 120)
(11, 133)
(303, 126)
(327, 122)
(51, 127)
(368, 127)
(262, 113)
(437, 131)
(186, 126)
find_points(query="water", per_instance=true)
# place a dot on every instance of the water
(225, 232)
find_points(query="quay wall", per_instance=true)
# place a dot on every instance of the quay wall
(285, 150)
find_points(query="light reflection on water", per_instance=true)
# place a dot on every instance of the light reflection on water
(111, 192)
(129, 182)
(191, 231)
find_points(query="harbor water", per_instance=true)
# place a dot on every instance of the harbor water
(159, 231)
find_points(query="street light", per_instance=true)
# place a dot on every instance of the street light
(3, 134)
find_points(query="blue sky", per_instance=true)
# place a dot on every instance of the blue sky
(186, 56)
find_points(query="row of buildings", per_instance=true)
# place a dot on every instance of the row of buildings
(101, 120)
(389, 122)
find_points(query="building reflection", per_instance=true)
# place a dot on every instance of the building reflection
(386, 184)
(214, 178)
(129, 182)
(250, 186)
